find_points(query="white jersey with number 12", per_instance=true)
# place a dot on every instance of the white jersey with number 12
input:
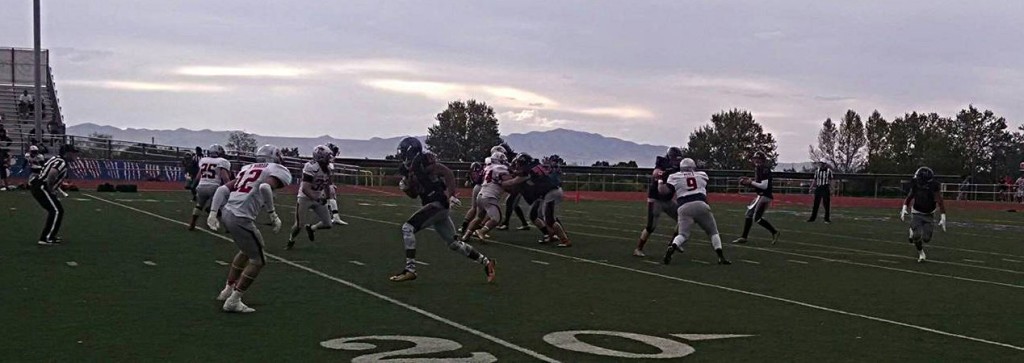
(689, 183)
(245, 201)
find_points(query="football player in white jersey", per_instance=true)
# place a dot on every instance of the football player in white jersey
(488, 211)
(332, 191)
(690, 189)
(34, 160)
(214, 171)
(316, 180)
(251, 192)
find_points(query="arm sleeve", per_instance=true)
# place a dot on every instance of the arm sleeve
(268, 196)
(220, 197)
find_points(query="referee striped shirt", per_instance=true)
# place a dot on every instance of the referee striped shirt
(823, 177)
(55, 168)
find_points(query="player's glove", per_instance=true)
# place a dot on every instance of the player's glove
(903, 213)
(275, 221)
(403, 185)
(942, 221)
(454, 201)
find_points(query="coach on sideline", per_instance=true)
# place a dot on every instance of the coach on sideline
(822, 186)
(44, 187)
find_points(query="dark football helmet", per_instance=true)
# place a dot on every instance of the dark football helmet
(674, 154)
(476, 166)
(409, 148)
(924, 175)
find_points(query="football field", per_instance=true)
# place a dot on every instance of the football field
(132, 284)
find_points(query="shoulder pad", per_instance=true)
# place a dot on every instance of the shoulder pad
(280, 172)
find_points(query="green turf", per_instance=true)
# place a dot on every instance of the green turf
(849, 291)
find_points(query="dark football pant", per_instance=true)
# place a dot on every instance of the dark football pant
(822, 194)
(54, 210)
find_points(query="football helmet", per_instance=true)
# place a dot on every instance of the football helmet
(322, 154)
(687, 164)
(215, 151)
(409, 148)
(334, 149)
(476, 166)
(269, 154)
(924, 174)
(674, 153)
(499, 158)
(498, 149)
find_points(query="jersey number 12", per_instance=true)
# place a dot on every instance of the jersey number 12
(245, 182)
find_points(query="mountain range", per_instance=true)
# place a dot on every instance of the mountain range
(575, 147)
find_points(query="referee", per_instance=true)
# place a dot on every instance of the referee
(43, 187)
(822, 192)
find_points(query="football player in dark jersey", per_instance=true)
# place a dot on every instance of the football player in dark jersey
(925, 195)
(658, 203)
(542, 193)
(423, 176)
(762, 184)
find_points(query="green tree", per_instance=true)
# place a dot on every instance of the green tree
(981, 141)
(627, 164)
(730, 141)
(601, 163)
(850, 144)
(465, 131)
(241, 142)
(876, 132)
(826, 150)
(290, 152)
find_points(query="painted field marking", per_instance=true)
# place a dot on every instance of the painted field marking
(149, 263)
(1009, 260)
(652, 262)
(539, 262)
(358, 287)
(418, 262)
(826, 259)
(739, 291)
(973, 261)
(888, 261)
(798, 261)
(751, 262)
(357, 263)
(72, 263)
(699, 337)
(222, 263)
(700, 262)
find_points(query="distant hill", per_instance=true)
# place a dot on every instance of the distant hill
(581, 148)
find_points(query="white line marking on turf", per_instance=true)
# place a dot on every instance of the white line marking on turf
(149, 263)
(698, 337)
(888, 261)
(974, 261)
(700, 262)
(1009, 260)
(653, 262)
(418, 262)
(357, 263)
(219, 262)
(735, 290)
(72, 263)
(798, 261)
(539, 262)
(751, 262)
(360, 288)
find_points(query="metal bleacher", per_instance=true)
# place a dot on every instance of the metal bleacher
(16, 76)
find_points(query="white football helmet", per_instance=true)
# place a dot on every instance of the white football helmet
(687, 164)
(322, 155)
(215, 151)
(487, 161)
(498, 149)
(269, 154)
(499, 158)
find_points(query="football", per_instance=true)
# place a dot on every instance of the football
(409, 186)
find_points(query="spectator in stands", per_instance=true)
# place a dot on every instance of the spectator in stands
(25, 104)
(1019, 185)
(5, 162)
(3, 136)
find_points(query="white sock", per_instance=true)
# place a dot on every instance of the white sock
(679, 241)
(716, 241)
(332, 205)
(235, 295)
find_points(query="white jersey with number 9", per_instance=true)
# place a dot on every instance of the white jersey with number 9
(687, 183)
(246, 201)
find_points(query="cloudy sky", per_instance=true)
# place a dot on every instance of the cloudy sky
(646, 71)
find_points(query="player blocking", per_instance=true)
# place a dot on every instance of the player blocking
(689, 187)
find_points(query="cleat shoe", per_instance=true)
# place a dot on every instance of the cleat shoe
(405, 275)
(212, 222)
(544, 240)
(236, 306)
(740, 240)
(638, 253)
(46, 243)
(722, 261)
(564, 244)
(828, 221)
(921, 257)
(503, 227)
(672, 248)
(775, 237)
(481, 235)
(310, 233)
(521, 228)
(489, 270)
(337, 220)
(290, 245)
(225, 294)
(460, 230)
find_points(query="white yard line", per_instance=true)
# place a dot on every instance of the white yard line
(888, 261)
(357, 263)
(360, 288)
(751, 262)
(539, 262)
(798, 261)
(740, 291)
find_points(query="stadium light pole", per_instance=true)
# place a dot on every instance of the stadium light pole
(38, 104)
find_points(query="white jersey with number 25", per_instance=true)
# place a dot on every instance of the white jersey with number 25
(246, 200)
(687, 183)
(209, 170)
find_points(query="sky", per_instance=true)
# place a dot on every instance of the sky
(645, 71)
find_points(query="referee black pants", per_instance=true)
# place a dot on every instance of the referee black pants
(822, 194)
(54, 210)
